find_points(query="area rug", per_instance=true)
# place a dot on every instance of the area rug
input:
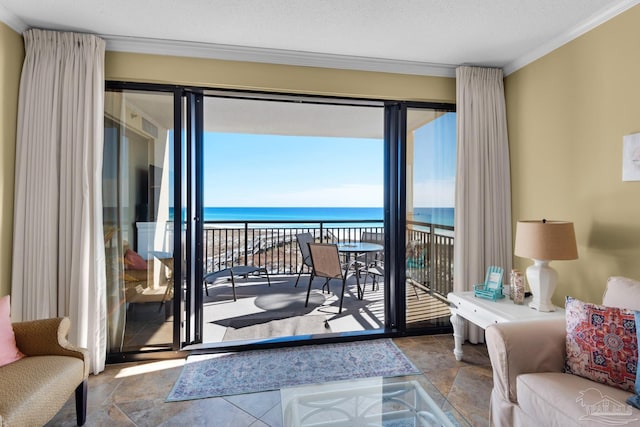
(214, 375)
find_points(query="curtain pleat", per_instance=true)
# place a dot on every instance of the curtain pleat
(59, 262)
(483, 180)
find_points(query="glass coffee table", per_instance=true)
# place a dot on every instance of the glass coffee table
(387, 402)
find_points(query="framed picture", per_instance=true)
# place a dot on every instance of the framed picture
(494, 278)
(631, 157)
(492, 286)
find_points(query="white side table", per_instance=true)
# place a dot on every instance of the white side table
(484, 312)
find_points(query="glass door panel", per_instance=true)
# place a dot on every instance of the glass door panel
(430, 204)
(137, 199)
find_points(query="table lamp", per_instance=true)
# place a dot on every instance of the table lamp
(544, 241)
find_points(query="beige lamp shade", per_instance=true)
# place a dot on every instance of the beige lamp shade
(546, 240)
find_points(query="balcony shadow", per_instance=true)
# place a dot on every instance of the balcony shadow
(277, 302)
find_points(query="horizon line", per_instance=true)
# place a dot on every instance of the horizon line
(322, 207)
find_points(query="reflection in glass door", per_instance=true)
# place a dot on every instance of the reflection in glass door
(430, 204)
(138, 214)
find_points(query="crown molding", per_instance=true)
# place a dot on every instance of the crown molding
(312, 59)
(569, 35)
(274, 56)
(15, 23)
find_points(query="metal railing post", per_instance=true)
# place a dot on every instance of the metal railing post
(246, 242)
(433, 259)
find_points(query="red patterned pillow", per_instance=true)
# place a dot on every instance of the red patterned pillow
(601, 343)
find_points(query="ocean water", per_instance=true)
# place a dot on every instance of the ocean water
(440, 216)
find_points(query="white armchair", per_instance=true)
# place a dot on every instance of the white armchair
(530, 387)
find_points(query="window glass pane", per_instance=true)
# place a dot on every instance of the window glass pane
(138, 233)
(430, 195)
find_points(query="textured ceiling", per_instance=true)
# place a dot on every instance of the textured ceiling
(412, 36)
(445, 33)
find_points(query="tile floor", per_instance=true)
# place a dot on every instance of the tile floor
(133, 394)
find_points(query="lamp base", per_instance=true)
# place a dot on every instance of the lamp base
(542, 282)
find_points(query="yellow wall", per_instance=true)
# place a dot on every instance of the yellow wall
(276, 78)
(11, 58)
(567, 114)
(196, 72)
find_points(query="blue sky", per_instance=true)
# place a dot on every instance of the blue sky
(271, 170)
(435, 163)
(244, 170)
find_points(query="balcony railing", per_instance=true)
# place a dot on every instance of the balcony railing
(430, 256)
(273, 245)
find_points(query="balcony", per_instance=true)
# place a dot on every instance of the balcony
(263, 312)
(273, 245)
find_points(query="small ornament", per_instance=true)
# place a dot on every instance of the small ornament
(517, 287)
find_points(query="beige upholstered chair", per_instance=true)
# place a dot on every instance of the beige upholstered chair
(530, 384)
(34, 388)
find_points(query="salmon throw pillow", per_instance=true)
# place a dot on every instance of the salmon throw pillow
(133, 261)
(8, 350)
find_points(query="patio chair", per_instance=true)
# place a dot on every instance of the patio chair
(231, 273)
(417, 271)
(303, 243)
(372, 262)
(376, 271)
(325, 260)
(372, 237)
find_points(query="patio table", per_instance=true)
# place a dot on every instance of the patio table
(354, 249)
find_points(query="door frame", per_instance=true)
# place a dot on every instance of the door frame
(188, 141)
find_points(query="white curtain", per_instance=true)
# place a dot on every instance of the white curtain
(58, 244)
(483, 189)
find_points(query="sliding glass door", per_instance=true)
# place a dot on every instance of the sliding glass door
(430, 207)
(138, 178)
(209, 197)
